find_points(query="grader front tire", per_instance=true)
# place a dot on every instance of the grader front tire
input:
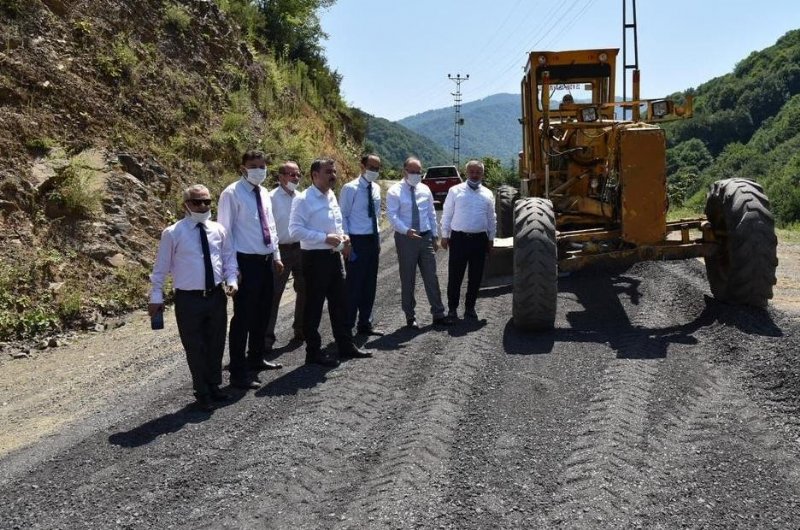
(743, 270)
(535, 286)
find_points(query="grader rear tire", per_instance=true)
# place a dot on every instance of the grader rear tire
(535, 286)
(504, 208)
(743, 270)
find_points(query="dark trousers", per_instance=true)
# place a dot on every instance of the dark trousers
(325, 280)
(362, 279)
(291, 257)
(465, 250)
(251, 311)
(201, 325)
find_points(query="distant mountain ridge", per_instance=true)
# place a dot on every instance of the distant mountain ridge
(394, 143)
(491, 127)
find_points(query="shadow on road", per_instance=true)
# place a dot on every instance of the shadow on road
(169, 423)
(603, 320)
(301, 378)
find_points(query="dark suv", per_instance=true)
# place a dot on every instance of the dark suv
(440, 179)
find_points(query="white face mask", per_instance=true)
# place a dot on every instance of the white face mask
(256, 175)
(371, 176)
(291, 186)
(413, 179)
(199, 217)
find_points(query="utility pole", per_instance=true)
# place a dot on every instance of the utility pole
(459, 121)
(628, 27)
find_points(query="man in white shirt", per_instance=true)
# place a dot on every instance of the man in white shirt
(409, 207)
(245, 211)
(282, 197)
(360, 200)
(197, 252)
(316, 221)
(469, 225)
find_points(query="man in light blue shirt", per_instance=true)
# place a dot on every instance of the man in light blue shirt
(409, 206)
(360, 200)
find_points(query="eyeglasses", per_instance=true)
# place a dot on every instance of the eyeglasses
(198, 202)
(374, 168)
(293, 174)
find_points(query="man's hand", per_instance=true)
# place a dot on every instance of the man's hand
(490, 246)
(413, 234)
(152, 309)
(445, 242)
(435, 244)
(231, 290)
(278, 264)
(334, 240)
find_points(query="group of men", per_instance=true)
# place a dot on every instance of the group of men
(330, 247)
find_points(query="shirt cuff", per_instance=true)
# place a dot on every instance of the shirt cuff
(156, 296)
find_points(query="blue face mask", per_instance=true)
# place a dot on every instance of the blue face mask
(474, 184)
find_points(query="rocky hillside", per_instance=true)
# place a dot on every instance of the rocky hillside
(107, 110)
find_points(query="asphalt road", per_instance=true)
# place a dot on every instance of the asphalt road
(650, 405)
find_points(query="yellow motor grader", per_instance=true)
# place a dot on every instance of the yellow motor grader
(593, 189)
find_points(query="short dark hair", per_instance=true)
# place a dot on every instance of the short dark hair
(319, 162)
(365, 158)
(253, 154)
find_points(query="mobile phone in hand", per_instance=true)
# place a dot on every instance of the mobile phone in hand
(157, 320)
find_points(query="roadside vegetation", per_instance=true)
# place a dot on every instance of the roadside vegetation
(745, 125)
(180, 88)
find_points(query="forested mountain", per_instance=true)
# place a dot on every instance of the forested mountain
(394, 143)
(746, 124)
(491, 127)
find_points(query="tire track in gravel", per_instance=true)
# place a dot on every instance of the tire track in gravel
(604, 475)
(404, 487)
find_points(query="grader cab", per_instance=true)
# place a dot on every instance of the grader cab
(593, 189)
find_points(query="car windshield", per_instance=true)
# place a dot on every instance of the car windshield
(441, 172)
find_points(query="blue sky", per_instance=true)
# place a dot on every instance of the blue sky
(395, 54)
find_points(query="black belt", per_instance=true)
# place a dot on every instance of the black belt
(425, 233)
(468, 234)
(253, 257)
(201, 292)
(289, 245)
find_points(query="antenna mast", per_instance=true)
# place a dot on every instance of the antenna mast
(458, 121)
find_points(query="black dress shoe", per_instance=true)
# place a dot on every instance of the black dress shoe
(203, 403)
(369, 330)
(219, 395)
(355, 353)
(246, 385)
(412, 324)
(470, 314)
(323, 360)
(264, 365)
(443, 321)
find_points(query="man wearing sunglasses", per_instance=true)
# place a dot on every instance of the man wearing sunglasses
(245, 211)
(198, 253)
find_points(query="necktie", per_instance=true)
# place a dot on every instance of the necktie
(371, 209)
(206, 257)
(414, 209)
(261, 217)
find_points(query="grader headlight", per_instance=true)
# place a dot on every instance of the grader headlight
(660, 108)
(589, 114)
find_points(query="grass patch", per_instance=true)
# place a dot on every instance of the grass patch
(120, 62)
(76, 193)
(177, 17)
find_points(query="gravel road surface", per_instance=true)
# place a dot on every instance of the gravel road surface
(650, 405)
